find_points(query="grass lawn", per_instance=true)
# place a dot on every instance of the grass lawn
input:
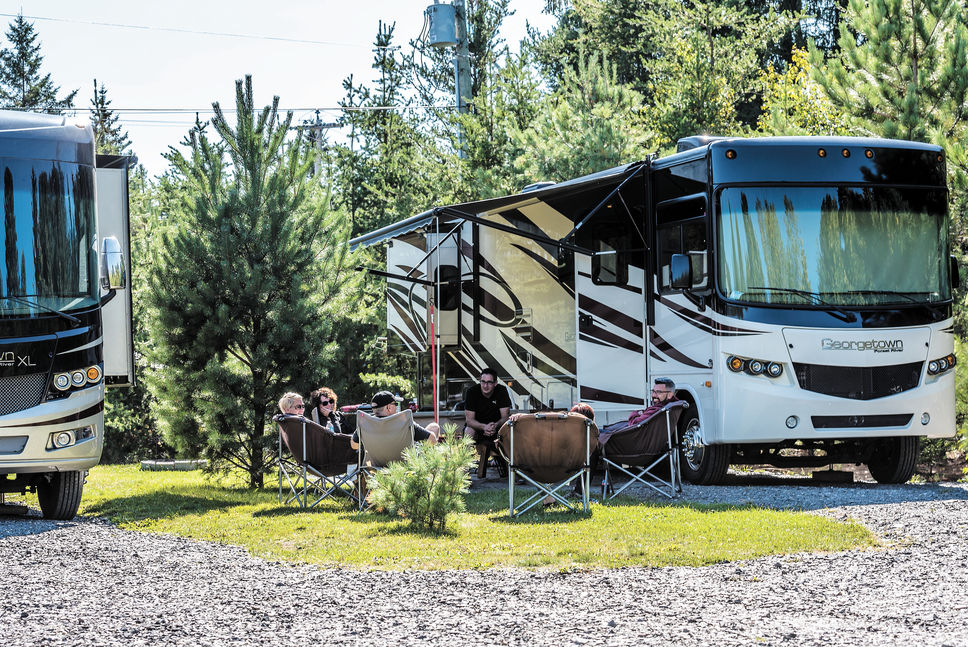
(623, 533)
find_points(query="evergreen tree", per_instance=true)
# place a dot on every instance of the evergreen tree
(21, 83)
(110, 137)
(244, 285)
(590, 124)
(906, 76)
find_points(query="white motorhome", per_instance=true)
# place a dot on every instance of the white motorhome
(65, 310)
(798, 291)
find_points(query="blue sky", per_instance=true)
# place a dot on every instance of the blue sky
(159, 67)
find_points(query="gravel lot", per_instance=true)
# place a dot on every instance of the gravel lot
(89, 583)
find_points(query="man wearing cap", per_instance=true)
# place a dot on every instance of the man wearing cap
(385, 404)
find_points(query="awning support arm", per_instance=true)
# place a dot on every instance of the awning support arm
(456, 213)
(435, 247)
(399, 277)
(601, 204)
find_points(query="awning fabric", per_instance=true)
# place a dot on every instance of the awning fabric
(483, 208)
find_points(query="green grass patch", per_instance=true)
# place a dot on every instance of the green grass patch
(624, 533)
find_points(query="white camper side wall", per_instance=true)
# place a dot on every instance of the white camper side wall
(112, 220)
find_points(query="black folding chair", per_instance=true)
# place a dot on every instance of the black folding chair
(645, 452)
(313, 461)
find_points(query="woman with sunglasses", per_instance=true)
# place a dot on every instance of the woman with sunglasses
(291, 403)
(322, 410)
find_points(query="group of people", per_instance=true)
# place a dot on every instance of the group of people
(322, 410)
(487, 406)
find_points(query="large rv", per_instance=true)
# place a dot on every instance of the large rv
(65, 312)
(798, 291)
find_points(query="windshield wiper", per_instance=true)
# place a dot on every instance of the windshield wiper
(33, 304)
(832, 310)
(894, 293)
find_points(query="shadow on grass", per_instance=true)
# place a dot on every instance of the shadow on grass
(159, 505)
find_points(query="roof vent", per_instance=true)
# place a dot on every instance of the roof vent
(696, 141)
(537, 186)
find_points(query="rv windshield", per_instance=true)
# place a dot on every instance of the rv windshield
(49, 256)
(833, 246)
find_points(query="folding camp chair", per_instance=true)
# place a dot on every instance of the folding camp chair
(382, 441)
(549, 451)
(316, 467)
(640, 451)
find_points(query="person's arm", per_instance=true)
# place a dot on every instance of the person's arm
(470, 420)
(505, 414)
(355, 441)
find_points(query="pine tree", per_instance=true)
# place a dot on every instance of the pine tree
(21, 83)
(110, 137)
(907, 66)
(244, 285)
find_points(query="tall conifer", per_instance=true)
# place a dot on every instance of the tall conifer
(111, 138)
(21, 83)
(242, 285)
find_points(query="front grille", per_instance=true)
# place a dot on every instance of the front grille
(21, 392)
(858, 383)
(858, 422)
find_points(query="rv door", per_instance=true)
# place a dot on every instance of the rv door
(114, 248)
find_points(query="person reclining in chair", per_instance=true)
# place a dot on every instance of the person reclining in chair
(663, 392)
(385, 404)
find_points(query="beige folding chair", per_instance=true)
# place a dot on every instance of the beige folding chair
(550, 451)
(316, 465)
(382, 441)
(644, 452)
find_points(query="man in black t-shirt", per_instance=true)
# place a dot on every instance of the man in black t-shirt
(486, 407)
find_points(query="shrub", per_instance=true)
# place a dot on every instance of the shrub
(428, 484)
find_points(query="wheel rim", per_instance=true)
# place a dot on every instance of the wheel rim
(692, 448)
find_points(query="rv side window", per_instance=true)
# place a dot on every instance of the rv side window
(609, 265)
(688, 237)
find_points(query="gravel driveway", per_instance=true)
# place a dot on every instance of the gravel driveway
(89, 583)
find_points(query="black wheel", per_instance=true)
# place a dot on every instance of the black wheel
(700, 464)
(893, 459)
(59, 494)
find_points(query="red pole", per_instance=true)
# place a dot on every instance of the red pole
(433, 361)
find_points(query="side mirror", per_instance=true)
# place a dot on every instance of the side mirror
(680, 272)
(112, 265)
(955, 274)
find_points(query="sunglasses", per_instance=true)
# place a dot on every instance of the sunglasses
(326, 403)
(487, 381)
(299, 406)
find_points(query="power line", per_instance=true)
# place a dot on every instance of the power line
(191, 31)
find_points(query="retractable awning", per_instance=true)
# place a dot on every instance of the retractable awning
(480, 211)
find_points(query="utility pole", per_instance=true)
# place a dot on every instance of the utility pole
(315, 129)
(462, 62)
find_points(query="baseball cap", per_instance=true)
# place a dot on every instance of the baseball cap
(383, 398)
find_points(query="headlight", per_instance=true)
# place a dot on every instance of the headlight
(62, 381)
(933, 366)
(78, 378)
(942, 364)
(754, 366)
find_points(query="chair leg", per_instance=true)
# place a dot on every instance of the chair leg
(483, 453)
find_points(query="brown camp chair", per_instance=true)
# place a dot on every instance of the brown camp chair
(644, 452)
(315, 467)
(382, 441)
(549, 451)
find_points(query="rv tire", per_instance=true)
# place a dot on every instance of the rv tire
(893, 460)
(59, 494)
(700, 464)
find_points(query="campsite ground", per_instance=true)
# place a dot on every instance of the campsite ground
(89, 582)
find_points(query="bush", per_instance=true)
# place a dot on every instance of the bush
(428, 484)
